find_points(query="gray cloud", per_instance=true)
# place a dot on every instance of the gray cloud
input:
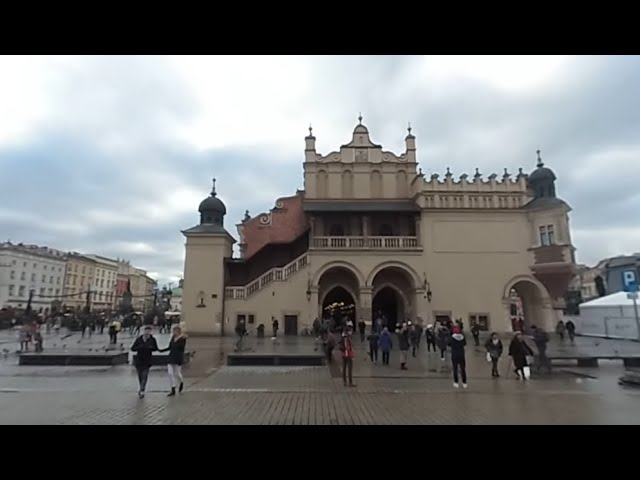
(107, 172)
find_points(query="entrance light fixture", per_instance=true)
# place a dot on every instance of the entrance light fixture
(427, 287)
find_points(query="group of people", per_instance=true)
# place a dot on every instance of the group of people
(31, 332)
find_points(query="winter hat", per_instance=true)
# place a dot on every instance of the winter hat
(456, 329)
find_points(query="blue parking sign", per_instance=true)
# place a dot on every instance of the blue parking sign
(630, 281)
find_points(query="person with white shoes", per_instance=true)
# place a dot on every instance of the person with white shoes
(457, 343)
(176, 348)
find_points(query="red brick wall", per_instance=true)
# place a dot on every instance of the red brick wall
(283, 224)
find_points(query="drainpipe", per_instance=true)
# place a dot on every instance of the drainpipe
(224, 296)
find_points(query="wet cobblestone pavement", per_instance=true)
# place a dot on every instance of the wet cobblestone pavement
(220, 395)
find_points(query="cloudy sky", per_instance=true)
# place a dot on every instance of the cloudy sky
(111, 155)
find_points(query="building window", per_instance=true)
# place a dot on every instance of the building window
(45, 267)
(58, 281)
(35, 265)
(60, 269)
(11, 288)
(23, 276)
(13, 275)
(73, 281)
(51, 279)
(83, 270)
(82, 281)
(547, 235)
(481, 319)
(41, 292)
(252, 319)
(13, 262)
(33, 277)
(21, 291)
(57, 292)
(44, 279)
(336, 231)
(385, 230)
(51, 291)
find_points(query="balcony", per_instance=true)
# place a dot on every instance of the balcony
(368, 243)
(553, 258)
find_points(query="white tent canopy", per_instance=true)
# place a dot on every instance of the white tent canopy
(612, 316)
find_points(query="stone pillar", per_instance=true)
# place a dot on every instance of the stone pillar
(365, 226)
(504, 325)
(366, 303)
(314, 307)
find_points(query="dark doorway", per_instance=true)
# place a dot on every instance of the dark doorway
(291, 325)
(387, 305)
(339, 305)
(443, 319)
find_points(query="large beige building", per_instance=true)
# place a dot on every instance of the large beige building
(103, 284)
(371, 233)
(78, 280)
(137, 279)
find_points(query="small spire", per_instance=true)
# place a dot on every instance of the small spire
(360, 118)
(409, 128)
(540, 163)
(213, 189)
(310, 130)
(448, 172)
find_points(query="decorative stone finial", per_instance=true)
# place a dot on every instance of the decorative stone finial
(420, 172)
(448, 174)
(477, 174)
(360, 118)
(409, 128)
(310, 130)
(213, 189)
(540, 163)
(247, 217)
(506, 174)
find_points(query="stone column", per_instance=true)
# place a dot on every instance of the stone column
(503, 325)
(314, 308)
(366, 302)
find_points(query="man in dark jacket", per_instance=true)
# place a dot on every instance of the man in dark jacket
(361, 328)
(144, 346)
(431, 338)
(457, 343)
(274, 325)
(475, 331)
(571, 331)
(541, 339)
(443, 340)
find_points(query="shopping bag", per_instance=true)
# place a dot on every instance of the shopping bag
(527, 372)
(488, 357)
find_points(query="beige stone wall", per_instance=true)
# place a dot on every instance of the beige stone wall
(203, 290)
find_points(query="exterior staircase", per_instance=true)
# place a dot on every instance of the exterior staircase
(277, 274)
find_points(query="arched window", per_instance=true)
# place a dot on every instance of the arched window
(402, 184)
(336, 230)
(385, 230)
(376, 184)
(347, 184)
(323, 183)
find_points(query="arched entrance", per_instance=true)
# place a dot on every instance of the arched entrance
(340, 305)
(389, 307)
(393, 296)
(338, 299)
(529, 304)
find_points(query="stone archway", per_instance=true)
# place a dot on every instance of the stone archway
(394, 292)
(529, 299)
(338, 284)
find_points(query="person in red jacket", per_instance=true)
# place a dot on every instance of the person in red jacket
(346, 347)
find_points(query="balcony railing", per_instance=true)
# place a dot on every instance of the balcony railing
(553, 257)
(353, 243)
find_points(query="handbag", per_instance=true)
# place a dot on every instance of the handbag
(527, 372)
(488, 357)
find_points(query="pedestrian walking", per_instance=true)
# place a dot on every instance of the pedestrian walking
(430, 336)
(113, 332)
(475, 332)
(274, 327)
(137, 324)
(329, 346)
(571, 331)
(386, 344)
(361, 328)
(144, 346)
(100, 324)
(541, 339)
(403, 345)
(560, 329)
(317, 328)
(414, 339)
(457, 342)
(519, 351)
(494, 352)
(241, 331)
(176, 349)
(38, 340)
(346, 347)
(83, 326)
(374, 340)
(23, 335)
(443, 340)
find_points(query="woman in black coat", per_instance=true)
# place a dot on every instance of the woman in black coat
(494, 352)
(519, 351)
(176, 350)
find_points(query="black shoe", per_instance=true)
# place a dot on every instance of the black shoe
(140, 394)
(172, 392)
(352, 385)
(181, 387)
